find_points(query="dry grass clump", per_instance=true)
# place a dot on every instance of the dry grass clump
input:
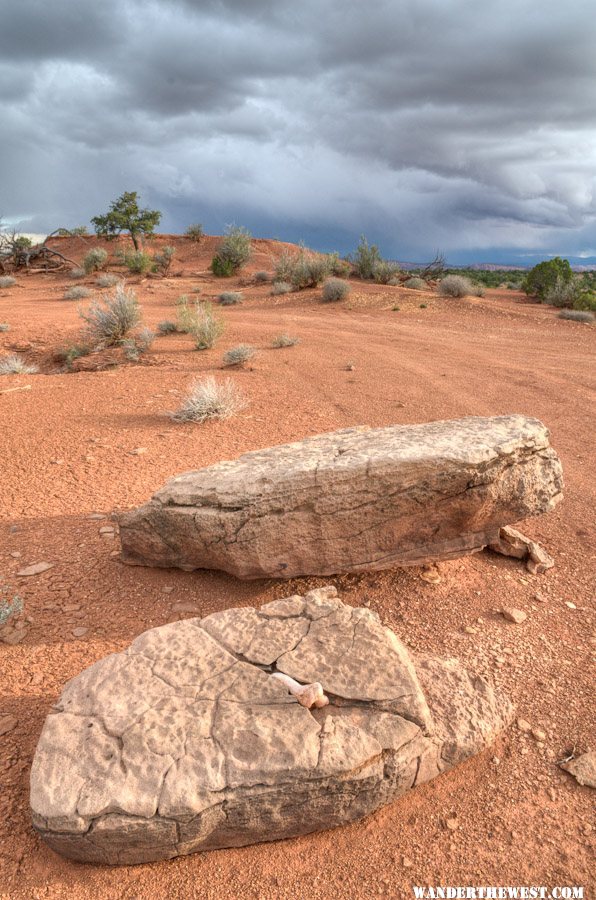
(16, 365)
(478, 290)
(77, 272)
(281, 287)
(456, 286)
(4, 326)
(262, 277)
(77, 293)
(335, 289)
(7, 281)
(416, 284)
(208, 327)
(107, 280)
(95, 260)
(238, 356)
(284, 340)
(576, 315)
(110, 320)
(230, 298)
(210, 399)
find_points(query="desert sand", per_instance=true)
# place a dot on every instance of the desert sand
(75, 445)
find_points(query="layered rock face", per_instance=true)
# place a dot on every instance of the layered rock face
(351, 500)
(189, 740)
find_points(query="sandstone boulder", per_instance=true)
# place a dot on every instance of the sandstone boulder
(189, 741)
(351, 500)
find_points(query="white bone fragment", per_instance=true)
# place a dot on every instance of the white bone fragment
(306, 694)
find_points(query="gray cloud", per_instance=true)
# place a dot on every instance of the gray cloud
(424, 123)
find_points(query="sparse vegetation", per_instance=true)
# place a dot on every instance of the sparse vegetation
(335, 289)
(238, 356)
(125, 215)
(547, 276)
(455, 286)
(385, 272)
(577, 315)
(262, 277)
(478, 290)
(16, 365)
(77, 272)
(230, 298)
(416, 284)
(95, 260)
(167, 327)
(77, 293)
(423, 306)
(301, 270)
(69, 354)
(280, 287)
(138, 262)
(284, 340)
(107, 280)
(233, 252)
(208, 327)
(337, 266)
(4, 326)
(194, 232)
(162, 261)
(110, 320)
(365, 259)
(144, 338)
(7, 281)
(186, 316)
(210, 399)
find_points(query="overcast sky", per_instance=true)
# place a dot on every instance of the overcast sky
(451, 124)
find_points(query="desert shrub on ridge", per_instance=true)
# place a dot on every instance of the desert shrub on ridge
(234, 252)
(335, 289)
(456, 286)
(95, 260)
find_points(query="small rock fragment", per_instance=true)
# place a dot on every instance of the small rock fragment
(80, 631)
(524, 725)
(570, 605)
(583, 768)
(35, 569)
(16, 554)
(539, 734)
(138, 451)
(514, 615)
(7, 723)
(431, 574)
(451, 823)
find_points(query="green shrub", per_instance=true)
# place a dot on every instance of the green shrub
(167, 327)
(338, 267)
(280, 287)
(423, 306)
(585, 301)
(238, 356)
(455, 286)
(210, 399)
(547, 276)
(386, 272)
(69, 354)
(416, 284)
(562, 293)
(303, 269)
(233, 252)
(284, 340)
(194, 232)
(138, 262)
(107, 280)
(577, 315)
(163, 260)
(335, 289)
(7, 281)
(208, 327)
(15, 365)
(230, 298)
(365, 259)
(95, 260)
(110, 320)
(77, 293)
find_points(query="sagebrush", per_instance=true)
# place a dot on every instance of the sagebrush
(77, 293)
(456, 286)
(238, 356)
(210, 399)
(111, 319)
(95, 260)
(335, 289)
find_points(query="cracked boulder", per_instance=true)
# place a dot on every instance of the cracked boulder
(186, 742)
(352, 500)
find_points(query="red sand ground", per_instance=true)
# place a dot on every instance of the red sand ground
(514, 817)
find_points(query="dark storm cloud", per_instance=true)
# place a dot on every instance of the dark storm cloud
(421, 122)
